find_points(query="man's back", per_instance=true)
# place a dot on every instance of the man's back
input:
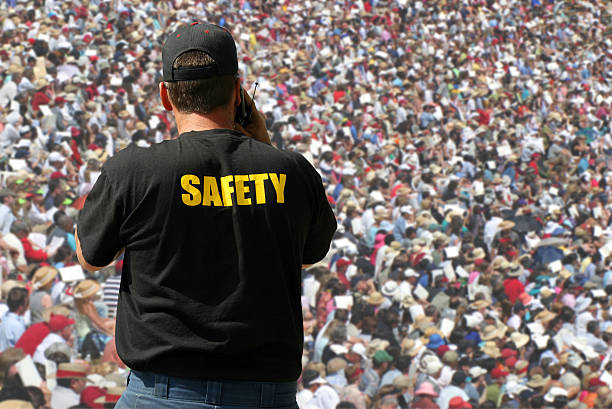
(216, 227)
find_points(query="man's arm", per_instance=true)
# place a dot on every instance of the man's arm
(82, 260)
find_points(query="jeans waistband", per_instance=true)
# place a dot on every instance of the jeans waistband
(253, 394)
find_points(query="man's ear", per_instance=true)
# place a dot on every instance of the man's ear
(163, 93)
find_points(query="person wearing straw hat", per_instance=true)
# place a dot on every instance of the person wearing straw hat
(71, 380)
(40, 298)
(88, 321)
(195, 305)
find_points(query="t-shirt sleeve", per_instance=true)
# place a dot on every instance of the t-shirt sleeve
(99, 223)
(323, 223)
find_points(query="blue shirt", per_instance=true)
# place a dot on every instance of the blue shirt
(11, 329)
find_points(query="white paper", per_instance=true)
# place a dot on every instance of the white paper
(72, 273)
(365, 99)
(449, 272)
(245, 37)
(346, 131)
(90, 53)
(343, 302)
(451, 252)
(416, 310)
(535, 328)
(18, 164)
(51, 367)
(555, 266)
(435, 274)
(597, 212)
(38, 239)
(554, 191)
(597, 232)
(420, 292)
(607, 378)
(504, 150)
(153, 122)
(573, 211)
(27, 372)
(130, 109)
(46, 111)
(599, 293)
(447, 326)
(541, 340)
(460, 271)
(343, 243)
(491, 164)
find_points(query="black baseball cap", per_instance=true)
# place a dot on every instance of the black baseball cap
(215, 41)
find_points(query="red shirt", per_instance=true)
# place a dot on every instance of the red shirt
(40, 98)
(30, 253)
(32, 337)
(513, 288)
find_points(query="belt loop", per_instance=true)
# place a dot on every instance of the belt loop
(161, 386)
(213, 393)
(267, 395)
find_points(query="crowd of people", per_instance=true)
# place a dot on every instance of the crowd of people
(464, 146)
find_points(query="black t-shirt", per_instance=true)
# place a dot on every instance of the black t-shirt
(215, 227)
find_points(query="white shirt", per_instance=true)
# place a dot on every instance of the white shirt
(39, 354)
(325, 397)
(303, 397)
(63, 398)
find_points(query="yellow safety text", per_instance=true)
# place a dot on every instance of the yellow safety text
(242, 190)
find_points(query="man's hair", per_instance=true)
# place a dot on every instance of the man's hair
(16, 298)
(200, 96)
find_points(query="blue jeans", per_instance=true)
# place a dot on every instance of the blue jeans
(149, 390)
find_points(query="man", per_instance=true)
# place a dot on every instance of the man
(370, 380)
(456, 388)
(7, 198)
(71, 380)
(324, 396)
(13, 325)
(216, 226)
(61, 328)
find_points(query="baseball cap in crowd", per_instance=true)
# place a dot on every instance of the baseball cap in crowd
(498, 373)
(58, 322)
(458, 403)
(209, 38)
(382, 356)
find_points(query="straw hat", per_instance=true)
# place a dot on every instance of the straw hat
(537, 381)
(520, 340)
(375, 298)
(545, 316)
(491, 349)
(86, 288)
(15, 404)
(490, 332)
(71, 371)
(40, 83)
(43, 276)
(506, 225)
(480, 304)
(476, 254)
(500, 263)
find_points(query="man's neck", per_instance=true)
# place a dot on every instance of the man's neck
(218, 119)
